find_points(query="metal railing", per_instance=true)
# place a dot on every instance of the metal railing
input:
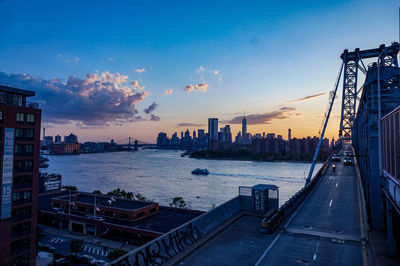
(32, 105)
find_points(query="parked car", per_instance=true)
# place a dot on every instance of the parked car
(347, 161)
(335, 158)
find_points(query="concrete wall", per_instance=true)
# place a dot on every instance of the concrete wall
(163, 248)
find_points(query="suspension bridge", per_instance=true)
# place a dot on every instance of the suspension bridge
(347, 215)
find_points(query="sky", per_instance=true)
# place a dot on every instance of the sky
(111, 69)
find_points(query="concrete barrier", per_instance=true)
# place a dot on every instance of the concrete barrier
(165, 247)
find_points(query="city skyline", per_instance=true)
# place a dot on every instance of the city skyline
(135, 75)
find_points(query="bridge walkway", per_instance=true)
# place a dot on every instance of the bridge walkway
(327, 229)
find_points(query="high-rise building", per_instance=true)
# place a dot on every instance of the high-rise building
(20, 135)
(57, 139)
(244, 128)
(71, 138)
(212, 133)
(289, 134)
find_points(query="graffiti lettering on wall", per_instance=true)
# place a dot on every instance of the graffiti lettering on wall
(160, 251)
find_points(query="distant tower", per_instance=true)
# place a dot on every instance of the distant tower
(44, 133)
(194, 133)
(289, 134)
(244, 127)
(212, 131)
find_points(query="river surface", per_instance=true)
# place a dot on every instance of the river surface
(160, 175)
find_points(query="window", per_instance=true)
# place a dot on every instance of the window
(30, 118)
(27, 195)
(1, 115)
(20, 117)
(29, 148)
(19, 133)
(16, 196)
(18, 99)
(3, 97)
(18, 149)
(28, 165)
(123, 216)
(29, 133)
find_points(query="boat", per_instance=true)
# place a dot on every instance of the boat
(199, 171)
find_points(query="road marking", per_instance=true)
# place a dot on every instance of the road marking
(330, 203)
(267, 250)
(355, 238)
(98, 251)
(316, 250)
(84, 250)
(337, 183)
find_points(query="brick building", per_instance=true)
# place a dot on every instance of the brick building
(19, 160)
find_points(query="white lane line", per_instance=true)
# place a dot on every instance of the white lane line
(84, 250)
(316, 250)
(330, 203)
(337, 183)
(98, 251)
(267, 250)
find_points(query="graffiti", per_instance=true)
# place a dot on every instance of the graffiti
(162, 250)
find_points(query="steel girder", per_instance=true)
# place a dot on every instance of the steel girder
(349, 97)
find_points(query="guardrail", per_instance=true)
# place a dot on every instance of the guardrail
(275, 217)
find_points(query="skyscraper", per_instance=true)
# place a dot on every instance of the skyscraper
(212, 132)
(289, 134)
(20, 133)
(244, 128)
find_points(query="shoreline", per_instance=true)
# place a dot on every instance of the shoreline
(251, 160)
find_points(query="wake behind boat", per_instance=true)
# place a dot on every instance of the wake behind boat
(200, 171)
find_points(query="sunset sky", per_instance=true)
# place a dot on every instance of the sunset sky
(112, 69)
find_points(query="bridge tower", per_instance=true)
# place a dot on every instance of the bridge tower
(351, 61)
(349, 97)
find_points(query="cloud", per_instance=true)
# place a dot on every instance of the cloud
(59, 55)
(190, 125)
(151, 108)
(140, 70)
(265, 118)
(168, 92)
(110, 59)
(75, 59)
(215, 72)
(199, 70)
(135, 85)
(307, 97)
(154, 118)
(99, 99)
(199, 87)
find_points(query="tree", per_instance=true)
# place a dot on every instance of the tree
(76, 245)
(140, 197)
(116, 253)
(73, 188)
(178, 202)
(97, 192)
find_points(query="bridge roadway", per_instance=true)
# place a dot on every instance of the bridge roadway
(327, 229)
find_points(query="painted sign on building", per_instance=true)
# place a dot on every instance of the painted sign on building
(6, 186)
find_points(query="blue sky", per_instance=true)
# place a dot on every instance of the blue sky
(251, 57)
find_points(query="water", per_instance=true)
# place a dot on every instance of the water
(160, 175)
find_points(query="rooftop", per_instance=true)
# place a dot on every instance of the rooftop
(102, 200)
(165, 220)
(7, 88)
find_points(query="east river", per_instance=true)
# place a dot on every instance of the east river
(160, 175)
